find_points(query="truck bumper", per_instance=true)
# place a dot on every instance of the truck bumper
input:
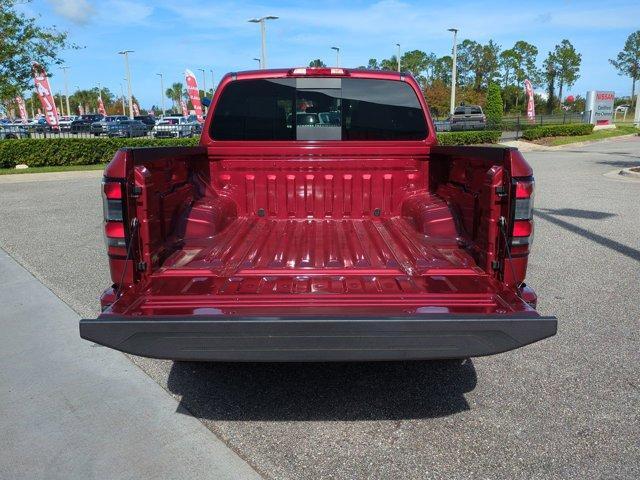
(299, 339)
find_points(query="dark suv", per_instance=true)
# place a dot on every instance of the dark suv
(148, 120)
(83, 124)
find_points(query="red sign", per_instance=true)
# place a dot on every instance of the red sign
(136, 109)
(194, 93)
(183, 104)
(101, 109)
(44, 93)
(23, 109)
(531, 106)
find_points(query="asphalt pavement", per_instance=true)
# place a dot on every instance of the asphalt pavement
(566, 407)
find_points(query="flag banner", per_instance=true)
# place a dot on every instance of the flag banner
(44, 94)
(531, 106)
(136, 109)
(194, 93)
(101, 109)
(183, 104)
(23, 109)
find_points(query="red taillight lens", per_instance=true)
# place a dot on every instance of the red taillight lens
(112, 206)
(523, 212)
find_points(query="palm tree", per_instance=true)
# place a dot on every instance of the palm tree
(175, 93)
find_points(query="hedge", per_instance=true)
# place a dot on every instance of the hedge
(568, 130)
(469, 138)
(40, 152)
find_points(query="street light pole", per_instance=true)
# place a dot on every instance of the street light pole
(66, 88)
(259, 63)
(337, 49)
(398, 45)
(124, 110)
(213, 84)
(204, 86)
(126, 64)
(161, 92)
(263, 33)
(453, 70)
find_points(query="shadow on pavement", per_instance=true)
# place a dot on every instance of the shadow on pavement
(575, 213)
(621, 163)
(322, 391)
(625, 250)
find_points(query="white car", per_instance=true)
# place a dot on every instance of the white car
(65, 122)
(176, 127)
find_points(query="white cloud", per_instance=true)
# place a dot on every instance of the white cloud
(127, 11)
(77, 11)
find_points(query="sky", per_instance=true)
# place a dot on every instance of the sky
(168, 36)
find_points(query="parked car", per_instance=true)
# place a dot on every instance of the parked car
(270, 243)
(65, 122)
(101, 127)
(13, 131)
(83, 123)
(127, 128)
(169, 127)
(39, 125)
(148, 120)
(468, 117)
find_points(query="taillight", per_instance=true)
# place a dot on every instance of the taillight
(112, 206)
(523, 212)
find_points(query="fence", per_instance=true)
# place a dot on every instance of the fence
(111, 130)
(511, 126)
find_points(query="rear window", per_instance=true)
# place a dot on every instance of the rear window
(318, 109)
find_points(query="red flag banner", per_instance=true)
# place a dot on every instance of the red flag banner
(531, 106)
(136, 109)
(194, 93)
(44, 93)
(183, 104)
(101, 109)
(23, 109)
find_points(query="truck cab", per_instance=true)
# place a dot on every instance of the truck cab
(318, 220)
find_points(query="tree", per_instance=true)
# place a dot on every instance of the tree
(442, 70)
(521, 62)
(493, 106)
(317, 63)
(567, 65)
(416, 62)
(628, 61)
(478, 64)
(550, 69)
(175, 93)
(23, 41)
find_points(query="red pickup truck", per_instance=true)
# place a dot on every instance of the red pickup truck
(318, 219)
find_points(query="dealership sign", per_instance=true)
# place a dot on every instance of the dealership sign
(194, 93)
(44, 93)
(599, 107)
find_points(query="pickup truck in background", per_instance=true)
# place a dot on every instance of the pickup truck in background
(468, 117)
(353, 237)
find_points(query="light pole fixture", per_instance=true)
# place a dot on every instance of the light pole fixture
(126, 64)
(398, 58)
(64, 68)
(263, 32)
(337, 49)
(161, 92)
(259, 63)
(454, 54)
